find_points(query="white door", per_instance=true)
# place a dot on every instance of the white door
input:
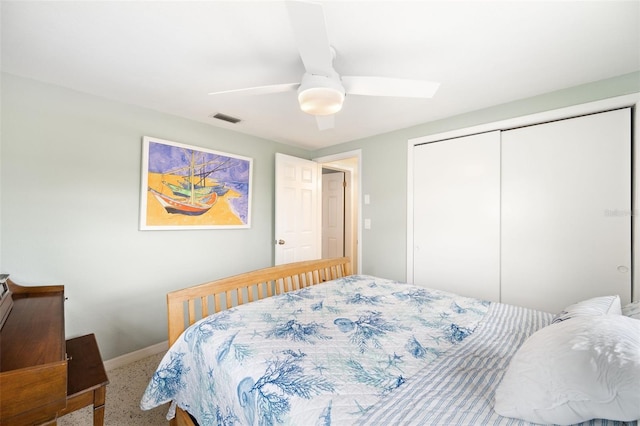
(297, 224)
(333, 214)
(566, 214)
(456, 219)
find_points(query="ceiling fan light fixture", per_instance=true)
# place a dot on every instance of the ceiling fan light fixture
(321, 100)
(320, 95)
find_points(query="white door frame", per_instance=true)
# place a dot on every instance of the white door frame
(356, 175)
(631, 100)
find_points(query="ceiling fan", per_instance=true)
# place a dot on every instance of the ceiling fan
(322, 90)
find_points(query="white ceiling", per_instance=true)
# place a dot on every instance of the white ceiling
(168, 55)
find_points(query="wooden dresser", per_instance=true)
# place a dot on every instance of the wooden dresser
(33, 360)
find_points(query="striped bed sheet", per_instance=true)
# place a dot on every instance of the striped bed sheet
(458, 388)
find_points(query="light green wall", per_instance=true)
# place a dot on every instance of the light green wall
(70, 182)
(70, 194)
(384, 166)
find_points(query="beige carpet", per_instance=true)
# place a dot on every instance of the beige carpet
(122, 408)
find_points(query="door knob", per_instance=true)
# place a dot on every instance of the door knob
(280, 242)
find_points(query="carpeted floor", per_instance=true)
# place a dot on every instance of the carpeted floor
(122, 408)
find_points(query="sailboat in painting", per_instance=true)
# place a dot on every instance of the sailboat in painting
(184, 189)
(192, 197)
(193, 207)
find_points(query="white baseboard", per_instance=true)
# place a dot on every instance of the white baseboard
(126, 359)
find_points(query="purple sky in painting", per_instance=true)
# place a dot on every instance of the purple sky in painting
(166, 158)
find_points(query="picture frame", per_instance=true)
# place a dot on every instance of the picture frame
(6, 302)
(189, 187)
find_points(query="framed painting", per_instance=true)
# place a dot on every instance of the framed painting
(186, 187)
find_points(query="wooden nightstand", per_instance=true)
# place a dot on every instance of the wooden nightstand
(86, 378)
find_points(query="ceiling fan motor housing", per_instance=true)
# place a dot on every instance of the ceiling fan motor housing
(320, 95)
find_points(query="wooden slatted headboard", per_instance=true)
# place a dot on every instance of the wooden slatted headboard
(191, 304)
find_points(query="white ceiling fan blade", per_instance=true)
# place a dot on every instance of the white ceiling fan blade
(383, 86)
(325, 122)
(308, 23)
(261, 90)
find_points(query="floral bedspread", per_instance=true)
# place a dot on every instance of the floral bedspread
(322, 355)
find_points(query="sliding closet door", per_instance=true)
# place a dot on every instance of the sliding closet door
(566, 211)
(457, 215)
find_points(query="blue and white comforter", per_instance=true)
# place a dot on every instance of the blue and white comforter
(323, 355)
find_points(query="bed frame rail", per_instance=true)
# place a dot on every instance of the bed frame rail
(189, 305)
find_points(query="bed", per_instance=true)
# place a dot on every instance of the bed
(309, 343)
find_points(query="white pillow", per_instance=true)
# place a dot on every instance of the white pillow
(574, 371)
(632, 310)
(596, 306)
